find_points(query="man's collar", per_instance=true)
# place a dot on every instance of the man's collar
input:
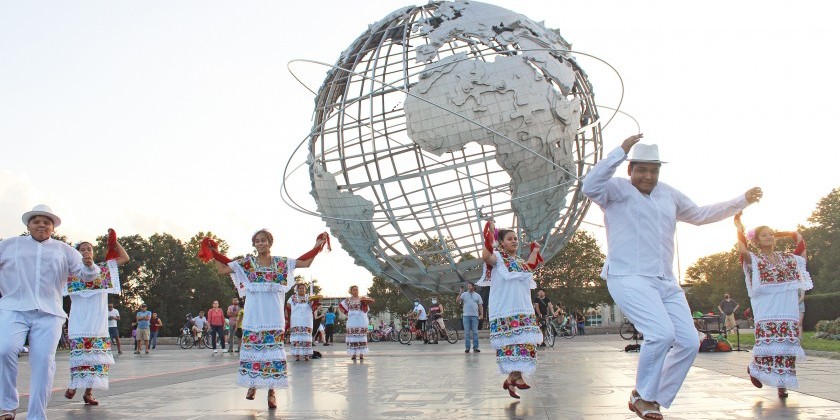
(40, 242)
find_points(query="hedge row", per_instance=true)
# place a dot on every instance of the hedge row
(825, 306)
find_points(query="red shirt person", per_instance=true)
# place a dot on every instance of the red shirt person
(216, 319)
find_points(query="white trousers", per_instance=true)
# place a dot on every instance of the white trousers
(44, 330)
(658, 309)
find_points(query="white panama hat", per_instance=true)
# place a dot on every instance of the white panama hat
(645, 153)
(41, 210)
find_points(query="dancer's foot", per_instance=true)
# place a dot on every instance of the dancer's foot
(520, 383)
(782, 392)
(647, 410)
(510, 387)
(353, 358)
(756, 383)
(252, 392)
(70, 393)
(8, 415)
(89, 400)
(272, 401)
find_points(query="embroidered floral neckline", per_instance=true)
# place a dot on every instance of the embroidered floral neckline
(514, 263)
(785, 270)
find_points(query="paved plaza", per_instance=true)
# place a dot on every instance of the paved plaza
(586, 377)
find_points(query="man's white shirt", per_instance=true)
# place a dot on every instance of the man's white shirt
(640, 227)
(33, 274)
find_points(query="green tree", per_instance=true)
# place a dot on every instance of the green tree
(572, 278)
(823, 240)
(710, 277)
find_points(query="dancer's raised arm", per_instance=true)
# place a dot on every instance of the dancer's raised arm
(489, 237)
(306, 259)
(742, 239)
(122, 256)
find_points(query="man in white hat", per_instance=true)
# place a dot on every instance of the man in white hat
(33, 272)
(640, 215)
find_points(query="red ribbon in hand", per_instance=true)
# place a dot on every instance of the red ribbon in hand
(539, 257)
(207, 253)
(318, 248)
(489, 237)
(112, 246)
(800, 246)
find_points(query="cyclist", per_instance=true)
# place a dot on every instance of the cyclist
(420, 312)
(199, 324)
(384, 329)
(436, 311)
(543, 308)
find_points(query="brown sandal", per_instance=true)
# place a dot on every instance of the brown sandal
(272, 402)
(8, 415)
(252, 392)
(89, 400)
(756, 383)
(70, 393)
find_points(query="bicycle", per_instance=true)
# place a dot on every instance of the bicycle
(549, 331)
(409, 331)
(628, 331)
(187, 340)
(436, 331)
(382, 334)
(567, 329)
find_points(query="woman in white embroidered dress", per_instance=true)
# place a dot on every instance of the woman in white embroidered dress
(264, 279)
(300, 309)
(514, 328)
(356, 309)
(90, 344)
(774, 280)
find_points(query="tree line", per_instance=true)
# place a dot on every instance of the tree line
(165, 274)
(571, 279)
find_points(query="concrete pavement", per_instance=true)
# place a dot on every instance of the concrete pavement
(586, 377)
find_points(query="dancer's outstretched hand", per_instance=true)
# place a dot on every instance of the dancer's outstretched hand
(753, 195)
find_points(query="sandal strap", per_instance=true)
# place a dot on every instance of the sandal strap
(646, 412)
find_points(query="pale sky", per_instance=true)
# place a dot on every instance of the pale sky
(178, 117)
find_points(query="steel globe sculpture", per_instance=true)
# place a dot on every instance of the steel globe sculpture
(439, 116)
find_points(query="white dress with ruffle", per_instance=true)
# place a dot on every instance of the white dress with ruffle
(300, 334)
(774, 293)
(357, 326)
(262, 359)
(514, 328)
(87, 328)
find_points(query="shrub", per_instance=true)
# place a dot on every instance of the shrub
(828, 329)
(821, 307)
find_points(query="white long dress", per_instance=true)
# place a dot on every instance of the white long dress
(514, 328)
(774, 294)
(300, 338)
(87, 328)
(262, 359)
(357, 326)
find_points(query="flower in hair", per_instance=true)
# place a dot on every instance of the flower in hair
(751, 234)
